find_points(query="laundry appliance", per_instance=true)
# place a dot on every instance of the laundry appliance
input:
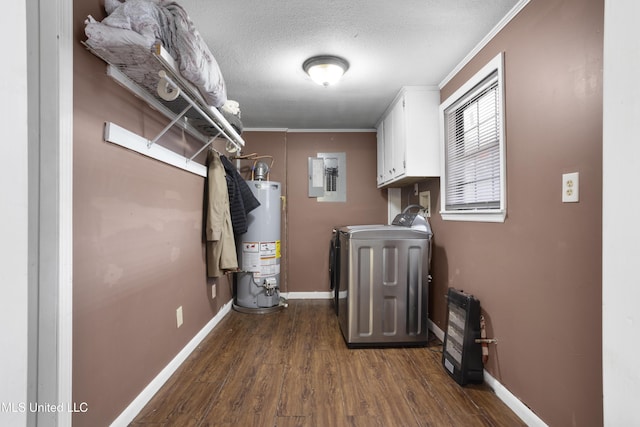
(381, 285)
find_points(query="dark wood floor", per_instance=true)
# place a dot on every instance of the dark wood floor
(292, 368)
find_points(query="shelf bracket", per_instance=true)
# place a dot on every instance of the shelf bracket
(169, 126)
(203, 147)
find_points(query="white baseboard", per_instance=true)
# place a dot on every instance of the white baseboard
(515, 404)
(150, 390)
(307, 295)
(436, 330)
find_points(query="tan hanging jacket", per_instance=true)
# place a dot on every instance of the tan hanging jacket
(221, 247)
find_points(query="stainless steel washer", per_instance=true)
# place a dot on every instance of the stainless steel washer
(383, 282)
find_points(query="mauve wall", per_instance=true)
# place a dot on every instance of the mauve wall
(310, 222)
(138, 246)
(307, 223)
(538, 275)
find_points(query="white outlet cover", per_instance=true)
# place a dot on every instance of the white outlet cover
(571, 187)
(179, 316)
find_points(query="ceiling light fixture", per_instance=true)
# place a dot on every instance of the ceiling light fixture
(325, 70)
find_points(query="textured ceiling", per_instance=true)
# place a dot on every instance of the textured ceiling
(260, 46)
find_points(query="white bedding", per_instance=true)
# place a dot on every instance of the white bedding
(137, 24)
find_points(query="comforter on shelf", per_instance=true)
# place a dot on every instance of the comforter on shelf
(142, 23)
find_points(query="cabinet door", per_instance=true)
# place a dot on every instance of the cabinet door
(399, 139)
(409, 141)
(422, 136)
(388, 147)
(380, 153)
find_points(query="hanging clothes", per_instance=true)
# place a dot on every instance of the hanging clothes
(221, 247)
(241, 199)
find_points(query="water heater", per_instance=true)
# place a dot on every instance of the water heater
(258, 281)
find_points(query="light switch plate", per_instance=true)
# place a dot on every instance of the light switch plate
(571, 187)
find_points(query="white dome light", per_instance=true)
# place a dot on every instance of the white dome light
(325, 70)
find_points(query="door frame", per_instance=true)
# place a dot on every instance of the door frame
(50, 164)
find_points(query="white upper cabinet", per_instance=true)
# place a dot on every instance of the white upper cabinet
(408, 137)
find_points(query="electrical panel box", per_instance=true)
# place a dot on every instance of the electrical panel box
(461, 355)
(328, 177)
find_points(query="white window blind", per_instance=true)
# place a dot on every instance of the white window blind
(473, 149)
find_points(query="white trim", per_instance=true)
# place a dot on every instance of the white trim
(477, 216)
(287, 130)
(495, 215)
(152, 388)
(51, 109)
(515, 404)
(436, 330)
(125, 138)
(307, 295)
(15, 262)
(65, 206)
(620, 229)
(330, 130)
(495, 30)
(265, 129)
(496, 63)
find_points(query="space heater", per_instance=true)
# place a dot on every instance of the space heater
(461, 355)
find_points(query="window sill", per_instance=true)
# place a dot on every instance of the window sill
(474, 216)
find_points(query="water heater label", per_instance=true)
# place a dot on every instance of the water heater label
(251, 256)
(267, 249)
(261, 258)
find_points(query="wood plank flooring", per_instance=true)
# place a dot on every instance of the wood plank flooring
(292, 368)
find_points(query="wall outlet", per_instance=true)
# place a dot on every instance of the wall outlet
(213, 291)
(570, 187)
(179, 316)
(425, 201)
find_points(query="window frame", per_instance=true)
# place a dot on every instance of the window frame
(467, 91)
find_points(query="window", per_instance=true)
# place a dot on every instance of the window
(472, 120)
